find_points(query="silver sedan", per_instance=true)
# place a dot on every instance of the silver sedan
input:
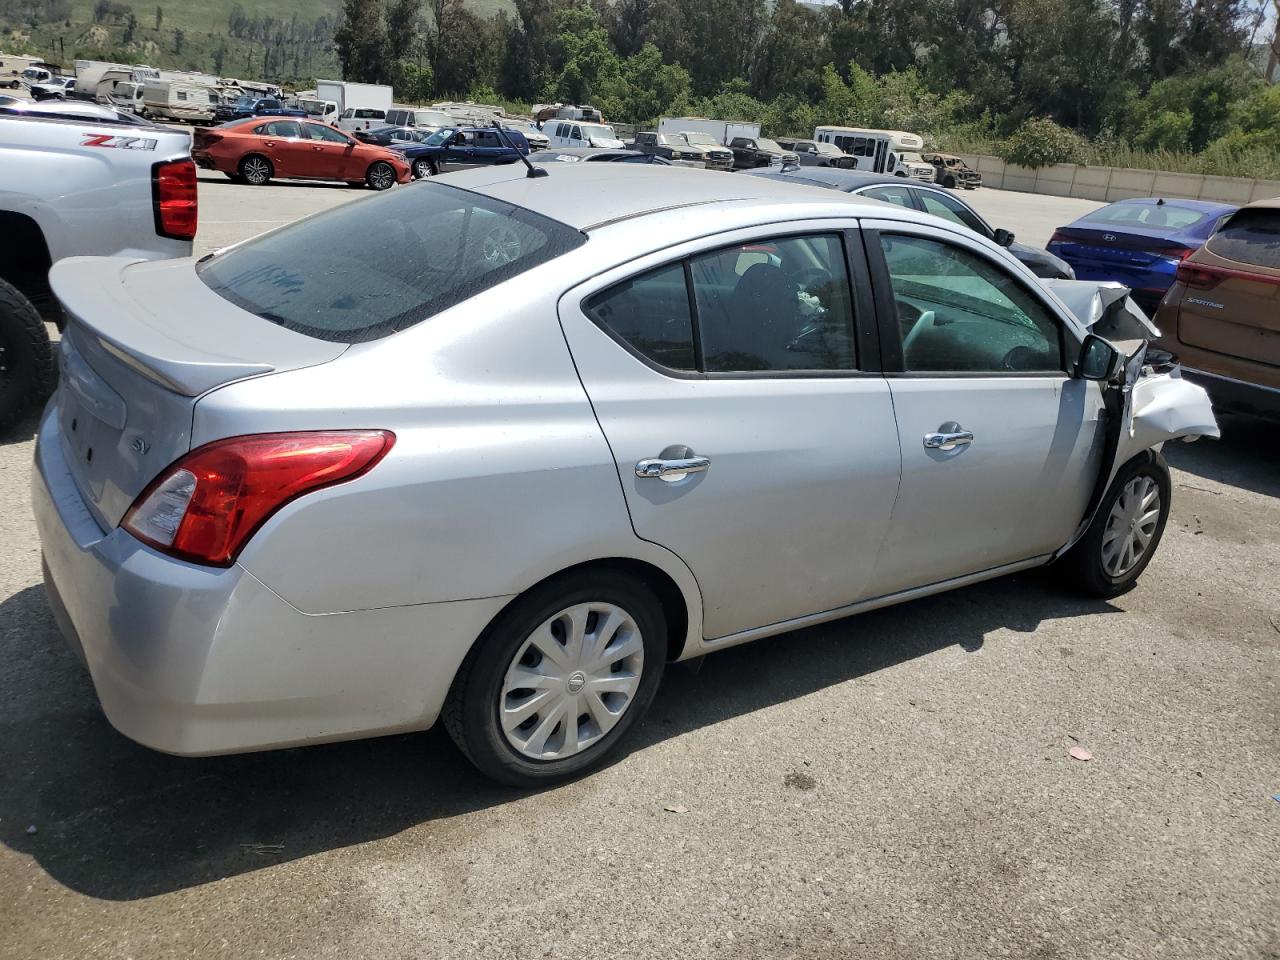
(496, 448)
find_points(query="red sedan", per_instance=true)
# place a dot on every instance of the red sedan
(259, 148)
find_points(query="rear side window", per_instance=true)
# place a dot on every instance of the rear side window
(651, 314)
(1250, 236)
(366, 270)
(279, 128)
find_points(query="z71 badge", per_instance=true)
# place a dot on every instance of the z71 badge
(118, 143)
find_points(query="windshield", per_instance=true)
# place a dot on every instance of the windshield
(421, 251)
(434, 118)
(593, 131)
(701, 138)
(912, 158)
(246, 101)
(1147, 214)
(440, 137)
(764, 143)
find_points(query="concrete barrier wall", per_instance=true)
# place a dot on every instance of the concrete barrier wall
(1107, 184)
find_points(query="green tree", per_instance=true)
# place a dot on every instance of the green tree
(361, 41)
(159, 17)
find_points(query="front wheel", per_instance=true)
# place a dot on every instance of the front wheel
(381, 176)
(1125, 531)
(557, 681)
(949, 183)
(26, 356)
(423, 168)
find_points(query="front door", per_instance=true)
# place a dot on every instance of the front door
(330, 154)
(752, 434)
(1000, 445)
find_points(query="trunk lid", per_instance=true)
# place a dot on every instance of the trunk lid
(1231, 311)
(1132, 246)
(143, 342)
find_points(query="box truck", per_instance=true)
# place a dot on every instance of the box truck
(360, 105)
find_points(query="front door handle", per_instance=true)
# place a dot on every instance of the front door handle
(675, 468)
(949, 436)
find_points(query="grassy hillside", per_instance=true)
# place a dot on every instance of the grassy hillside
(282, 40)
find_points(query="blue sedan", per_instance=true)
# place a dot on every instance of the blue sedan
(458, 148)
(1138, 242)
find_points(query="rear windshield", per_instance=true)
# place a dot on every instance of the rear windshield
(1251, 236)
(1148, 215)
(368, 269)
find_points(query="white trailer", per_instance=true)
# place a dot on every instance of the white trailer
(360, 105)
(180, 100)
(881, 151)
(722, 131)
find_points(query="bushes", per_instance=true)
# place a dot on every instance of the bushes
(1040, 142)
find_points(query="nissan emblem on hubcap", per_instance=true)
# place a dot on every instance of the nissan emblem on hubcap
(577, 680)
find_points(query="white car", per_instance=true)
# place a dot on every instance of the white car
(503, 459)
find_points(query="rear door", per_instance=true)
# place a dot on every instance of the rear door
(1232, 302)
(282, 143)
(1000, 444)
(745, 366)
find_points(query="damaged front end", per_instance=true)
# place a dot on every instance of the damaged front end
(1147, 400)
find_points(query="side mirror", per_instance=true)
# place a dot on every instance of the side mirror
(1099, 360)
(1003, 237)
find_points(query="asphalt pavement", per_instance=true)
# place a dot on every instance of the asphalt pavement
(896, 785)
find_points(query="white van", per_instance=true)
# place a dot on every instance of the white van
(881, 151)
(362, 118)
(419, 117)
(575, 133)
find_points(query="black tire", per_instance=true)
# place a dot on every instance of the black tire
(471, 711)
(949, 183)
(27, 370)
(256, 170)
(234, 177)
(423, 168)
(380, 175)
(1083, 564)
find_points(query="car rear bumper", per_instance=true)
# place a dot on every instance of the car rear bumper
(1240, 396)
(196, 660)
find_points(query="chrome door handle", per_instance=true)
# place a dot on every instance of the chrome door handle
(674, 469)
(949, 437)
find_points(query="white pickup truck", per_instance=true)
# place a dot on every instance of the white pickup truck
(78, 179)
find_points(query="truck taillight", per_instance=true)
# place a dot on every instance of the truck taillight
(205, 507)
(173, 199)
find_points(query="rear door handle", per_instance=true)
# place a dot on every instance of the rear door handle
(949, 436)
(673, 469)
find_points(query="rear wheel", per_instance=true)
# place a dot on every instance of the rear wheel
(380, 176)
(1125, 531)
(26, 356)
(423, 168)
(256, 169)
(557, 681)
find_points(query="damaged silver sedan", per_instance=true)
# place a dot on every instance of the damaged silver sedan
(503, 461)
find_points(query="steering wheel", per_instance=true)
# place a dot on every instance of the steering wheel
(1018, 359)
(924, 321)
(500, 246)
(812, 278)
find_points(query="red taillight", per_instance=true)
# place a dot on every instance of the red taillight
(173, 197)
(1059, 237)
(205, 507)
(1178, 253)
(1194, 276)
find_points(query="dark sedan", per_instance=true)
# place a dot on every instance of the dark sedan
(1139, 242)
(459, 148)
(598, 155)
(929, 199)
(250, 106)
(392, 136)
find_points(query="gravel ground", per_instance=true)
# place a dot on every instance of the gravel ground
(895, 785)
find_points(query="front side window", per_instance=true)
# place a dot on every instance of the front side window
(1251, 236)
(423, 251)
(949, 208)
(960, 313)
(318, 131)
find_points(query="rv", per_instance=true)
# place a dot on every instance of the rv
(179, 100)
(881, 151)
(11, 67)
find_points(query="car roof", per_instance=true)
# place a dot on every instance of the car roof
(1272, 203)
(845, 180)
(641, 190)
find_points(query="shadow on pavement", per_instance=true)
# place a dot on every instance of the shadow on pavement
(25, 429)
(120, 822)
(1245, 457)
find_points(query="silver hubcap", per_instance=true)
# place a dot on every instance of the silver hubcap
(256, 171)
(421, 169)
(381, 177)
(1130, 526)
(571, 681)
(501, 245)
